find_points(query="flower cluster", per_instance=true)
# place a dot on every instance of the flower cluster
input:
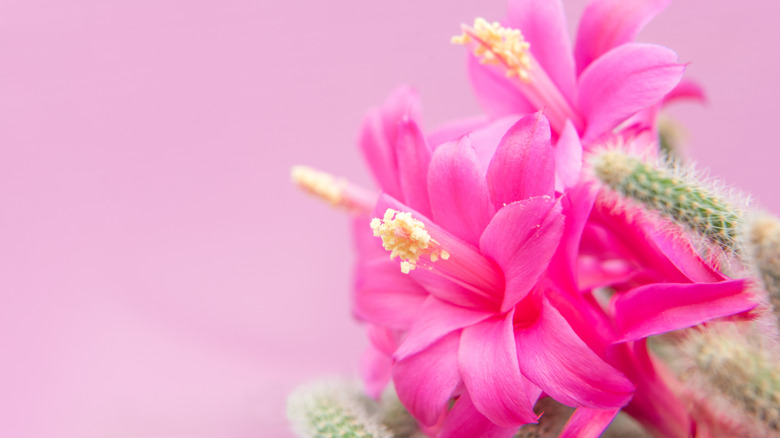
(526, 258)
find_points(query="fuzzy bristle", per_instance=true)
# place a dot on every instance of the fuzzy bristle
(553, 417)
(728, 364)
(334, 410)
(763, 242)
(672, 193)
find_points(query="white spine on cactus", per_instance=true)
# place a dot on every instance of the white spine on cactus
(334, 410)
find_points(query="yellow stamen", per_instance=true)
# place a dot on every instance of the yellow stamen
(497, 44)
(405, 237)
(320, 184)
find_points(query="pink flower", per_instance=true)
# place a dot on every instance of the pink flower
(476, 223)
(604, 81)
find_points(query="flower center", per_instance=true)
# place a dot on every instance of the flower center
(498, 45)
(405, 237)
(506, 49)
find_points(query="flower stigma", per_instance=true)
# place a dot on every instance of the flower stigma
(338, 192)
(406, 238)
(496, 44)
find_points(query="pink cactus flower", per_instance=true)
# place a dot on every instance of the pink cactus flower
(526, 64)
(467, 314)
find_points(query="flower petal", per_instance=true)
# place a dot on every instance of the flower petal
(568, 158)
(623, 81)
(659, 308)
(436, 320)
(543, 25)
(414, 156)
(588, 423)
(378, 135)
(425, 381)
(488, 366)
(376, 369)
(385, 296)
(454, 130)
(465, 421)
(495, 93)
(458, 192)
(552, 356)
(523, 165)
(522, 238)
(606, 24)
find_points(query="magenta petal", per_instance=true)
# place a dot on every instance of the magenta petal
(376, 369)
(623, 81)
(488, 366)
(552, 356)
(465, 421)
(588, 423)
(385, 296)
(659, 308)
(523, 165)
(414, 155)
(436, 320)
(458, 192)
(495, 93)
(568, 158)
(378, 135)
(522, 238)
(606, 24)
(425, 382)
(686, 90)
(543, 24)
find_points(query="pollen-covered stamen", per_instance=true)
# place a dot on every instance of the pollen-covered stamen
(507, 49)
(406, 238)
(497, 44)
(336, 191)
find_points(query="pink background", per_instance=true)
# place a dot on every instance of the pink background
(159, 275)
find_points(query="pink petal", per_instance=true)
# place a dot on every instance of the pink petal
(414, 155)
(425, 382)
(376, 369)
(385, 296)
(378, 135)
(486, 139)
(458, 191)
(465, 421)
(577, 205)
(495, 93)
(553, 357)
(523, 165)
(522, 238)
(686, 90)
(436, 320)
(588, 423)
(623, 81)
(606, 24)
(488, 366)
(543, 25)
(659, 308)
(568, 158)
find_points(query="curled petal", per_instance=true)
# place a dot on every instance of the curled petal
(606, 24)
(465, 421)
(459, 195)
(659, 308)
(622, 82)
(488, 366)
(522, 238)
(523, 165)
(425, 381)
(414, 155)
(495, 93)
(588, 423)
(553, 357)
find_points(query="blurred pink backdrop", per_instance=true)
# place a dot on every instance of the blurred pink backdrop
(159, 274)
